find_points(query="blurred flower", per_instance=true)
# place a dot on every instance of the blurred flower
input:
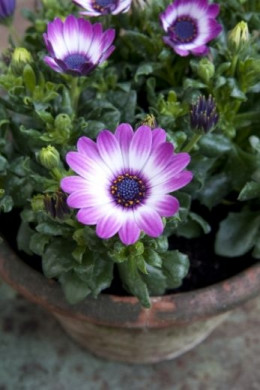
(239, 35)
(76, 46)
(103, 7)
(190, 25)
(7, 8)
(124, 180)
(55, 204)
(203, 115)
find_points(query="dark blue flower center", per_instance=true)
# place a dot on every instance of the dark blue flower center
(104, 6)
(128, 190)
(184, 30)
(75, 61)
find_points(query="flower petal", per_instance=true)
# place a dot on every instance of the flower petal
(159, 136)
(71, 34)
(158, 160)
(149, 221)
(90, 215)
(124, 134)
(173, 184)
(109, 225)
(140, 148)
(109, 150)
(129, 232)
(165, 205)
(70, 184)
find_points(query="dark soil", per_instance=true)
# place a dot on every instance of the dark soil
(206, 267)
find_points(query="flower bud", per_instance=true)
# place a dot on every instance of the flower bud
(20, 58)
(37, 203)
(49, 157)
(62, 121)
(56, 205)
(239, 36)
(150, 121)
(7, 8)
(206, 70)
(203, 115)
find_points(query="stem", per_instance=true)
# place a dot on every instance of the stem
(192, 143)
(74, 93)
(13, 34)
(234, 65)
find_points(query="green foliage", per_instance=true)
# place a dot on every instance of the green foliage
(42, 110)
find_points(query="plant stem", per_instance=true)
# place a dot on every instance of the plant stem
(234, 65)
(13, 35)
(192, 143)
(74, 93)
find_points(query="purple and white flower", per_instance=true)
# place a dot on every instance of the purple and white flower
(124, 181)
(103, 7)
(190, 25)
(7, 8)
(76, 46)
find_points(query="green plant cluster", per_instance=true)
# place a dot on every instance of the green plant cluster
(42, 114)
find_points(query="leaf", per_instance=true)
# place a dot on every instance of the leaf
(193, 227)
(6, 203)
(250, 191)
(237, 234)
(57, 258)
(74, 288)
(23, 237)
(175, 267)
(214, 145)
(133, 281)
(38, 242)
(215, 189)
(155, 280)
(52, 229)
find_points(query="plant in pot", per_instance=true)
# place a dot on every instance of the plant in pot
(129, 168)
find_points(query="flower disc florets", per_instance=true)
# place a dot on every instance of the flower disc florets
(76, 46)
(103, 7)
(203, 115)
(124, 180)
(190, 24)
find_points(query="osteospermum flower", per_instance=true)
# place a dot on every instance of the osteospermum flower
(190, 24)
(103, 7)
(7, 8)
(124, 181)
(76, 46)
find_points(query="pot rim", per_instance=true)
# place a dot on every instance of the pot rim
(116, 311)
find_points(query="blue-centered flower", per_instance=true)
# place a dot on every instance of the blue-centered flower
(103, 7)
(7, 8)
(76, 46)
(190, 25)
(124, 181)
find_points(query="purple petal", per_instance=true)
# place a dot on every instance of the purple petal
(110, 151)
(165, 205)
(173, 184)
(91, 169)
(52, 64)
(149, 221)
(200, 51)
(175, 166)
(106, 54)
(160, 158)
(90, 215)
(107, 38)
(124, 134)
(213, 10)
(140, 148)
(109, 225)
(159, 136)
(73, 183)
(71, 34)
(55, 36)
(85, 35)
(181, 52)
(95, 49)
(129, 232)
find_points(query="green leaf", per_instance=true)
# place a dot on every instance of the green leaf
(237, 233)
(152, 258)
(193, 227)
(133, 281)
(52, 229)
(175, 267)
(215, 189)
(214, 145)
(143, 70)
(155, 280)
(38, 243)
(250, 191)
(57, 258)
(23, 237)
(74, 288)
(140, 262)
(6, 203)
(256, 250)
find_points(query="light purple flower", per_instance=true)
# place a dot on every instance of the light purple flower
(103, 7)
(7, 8)
(76, 46)
(190, 25)
(124, 181)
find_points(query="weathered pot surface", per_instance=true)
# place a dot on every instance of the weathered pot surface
(119, 328)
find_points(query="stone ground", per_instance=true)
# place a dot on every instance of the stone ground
(35, 353)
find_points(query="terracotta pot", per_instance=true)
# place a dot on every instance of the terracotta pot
(118, 328)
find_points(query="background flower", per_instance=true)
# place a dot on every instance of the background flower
(124, 181)
(103, 7)
(7, 8)
(76, 46)
(190, 24)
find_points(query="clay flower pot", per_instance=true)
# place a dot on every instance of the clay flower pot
(118, 328)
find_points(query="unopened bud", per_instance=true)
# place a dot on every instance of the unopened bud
(239, 36)
(203, 115)
(20, 58)
(49, 157)
(206, 70)
(37, 203)
(62, 121)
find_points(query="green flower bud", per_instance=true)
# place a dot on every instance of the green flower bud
(37, 203)
(20, 58)
(40, 26)
(62, 121)
(206, 70)
(239, 36)
(49, 157)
